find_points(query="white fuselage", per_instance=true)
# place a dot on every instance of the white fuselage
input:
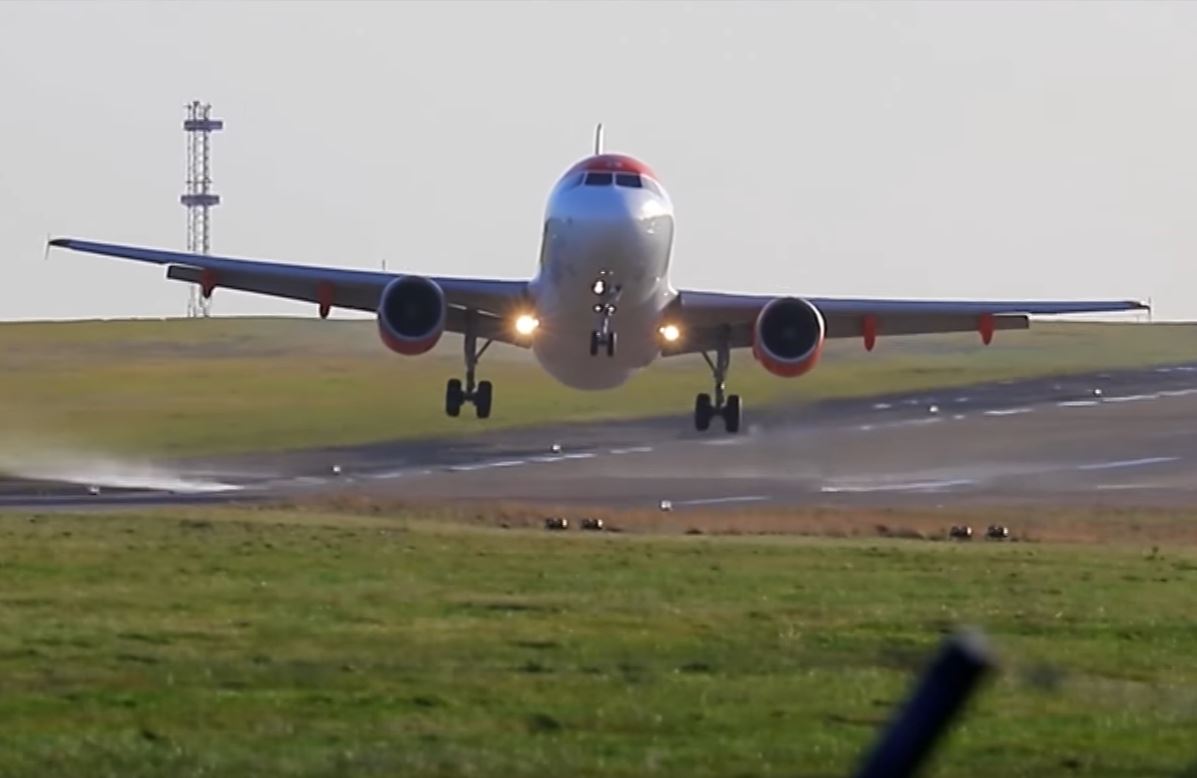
(621, 235)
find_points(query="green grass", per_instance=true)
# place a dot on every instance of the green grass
(226, 385)
(259, 642)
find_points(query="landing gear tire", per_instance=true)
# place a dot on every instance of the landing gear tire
(727, 407)
(732, 413)
(482, 399)
(703, 411)
(454, 397)
(600, 341)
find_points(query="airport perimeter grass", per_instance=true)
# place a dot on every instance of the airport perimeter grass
(300, 643)
(233, 385)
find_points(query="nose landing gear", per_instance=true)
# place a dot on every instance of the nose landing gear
(728, 407)
(602, 339)
(480, 393)
(603, 336)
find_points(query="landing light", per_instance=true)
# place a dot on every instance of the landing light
(670, 332)
(526, 325)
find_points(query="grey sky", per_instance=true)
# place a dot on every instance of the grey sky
(942, 149)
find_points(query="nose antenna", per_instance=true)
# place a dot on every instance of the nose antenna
(598, 139)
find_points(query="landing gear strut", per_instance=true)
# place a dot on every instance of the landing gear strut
(728, 407)
(479, 393)
(603, 336)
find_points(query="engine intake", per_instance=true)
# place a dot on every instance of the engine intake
(788, 336)
(411, 315)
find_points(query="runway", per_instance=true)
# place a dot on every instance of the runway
(1125, 438)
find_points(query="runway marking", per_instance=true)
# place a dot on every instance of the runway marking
(957, 417)
(631, 450)
(1121, 463)
(881, 406)
(915, 422)
(388, 474)
(547, 458)
(581, 455)
(961, 399)
(467, 468)
(1008, 411)
(725, 442)
(1123, 487)
(918, 486)
(1078, 404)
(1130, 398)
(1178, 392)
(722, 500)
(488, 465)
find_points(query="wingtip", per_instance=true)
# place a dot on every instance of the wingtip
(61, 243)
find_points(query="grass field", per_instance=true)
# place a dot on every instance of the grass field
(227, 385)
(299, 642)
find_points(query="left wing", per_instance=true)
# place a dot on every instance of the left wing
(703, 316)
(328, 287)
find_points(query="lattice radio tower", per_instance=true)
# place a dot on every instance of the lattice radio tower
(198, 198)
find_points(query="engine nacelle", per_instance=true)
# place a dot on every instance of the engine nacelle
(411, 315)
(788, 336)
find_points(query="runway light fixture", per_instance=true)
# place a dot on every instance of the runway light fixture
(670, 332)
(526, 324)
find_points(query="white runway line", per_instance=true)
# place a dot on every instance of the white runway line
(581, 455)
(1178, 392)
(1078, 404)
(387, 475)
(914, 422)
(916, 486)
(1121, 463)
(631, 450)
(722, 500)
(488, 465)
(725, 442)
(1008, 411)
(881, 406)
(1130, 398)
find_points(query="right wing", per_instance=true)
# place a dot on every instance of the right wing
(359, 290)
(705, 316)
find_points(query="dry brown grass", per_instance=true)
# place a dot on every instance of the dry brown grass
(1145, 526)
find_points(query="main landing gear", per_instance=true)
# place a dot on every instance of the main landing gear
(728, 407)
(479, 393)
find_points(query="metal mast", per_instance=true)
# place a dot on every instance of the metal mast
(198, 197)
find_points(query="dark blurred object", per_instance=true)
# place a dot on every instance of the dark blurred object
(592, 524)
(941, 692)
(997, 532)
(961, 532)
(556, 522)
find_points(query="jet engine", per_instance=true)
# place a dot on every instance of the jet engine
(411, 315)
(788, 336)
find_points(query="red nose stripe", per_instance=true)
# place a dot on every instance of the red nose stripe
(613, 163)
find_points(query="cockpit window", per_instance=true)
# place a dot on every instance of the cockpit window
(628, 179)
(598, 179)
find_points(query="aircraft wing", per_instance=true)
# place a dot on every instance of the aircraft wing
(702, 316)
(327, 287)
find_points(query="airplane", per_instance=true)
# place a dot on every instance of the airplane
(601, 305)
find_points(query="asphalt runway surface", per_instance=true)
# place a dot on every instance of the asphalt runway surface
(1119, 438)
